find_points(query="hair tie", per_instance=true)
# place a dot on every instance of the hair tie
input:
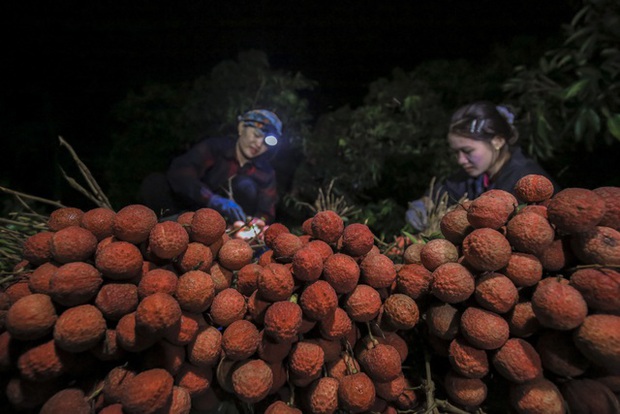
(505, 112)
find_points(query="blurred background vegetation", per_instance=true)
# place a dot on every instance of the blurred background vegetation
(377, 156)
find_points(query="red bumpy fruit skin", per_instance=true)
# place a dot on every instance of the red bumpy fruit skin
(533, 188)
(518, 361)
(557, 305)
(133, 223)
(599, 245)
(148, 391)
(207, 226)
(357, 239)
(492, 209)
(318, 300)
(327, 226)
(468, 392)
(467, 360)
(600, 288)
(529, 233)
(356, 392)
(575, 210)
(484, 329)
(611, 195)
(486, 249)
(283, 321)
(342, 272)
(31, 317)
(100, 222)
(252, 380)
(538, 396)
(598, 338)
(64, 217)
(452, 283)
(168, 239)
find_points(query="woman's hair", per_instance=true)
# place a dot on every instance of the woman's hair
(484, 120)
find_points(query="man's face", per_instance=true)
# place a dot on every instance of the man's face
(251, 141)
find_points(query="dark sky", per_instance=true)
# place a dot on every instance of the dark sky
(68, 62)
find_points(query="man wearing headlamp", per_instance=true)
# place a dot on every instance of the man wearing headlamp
(232, 176)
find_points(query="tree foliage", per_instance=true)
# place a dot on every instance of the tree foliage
(573, 95)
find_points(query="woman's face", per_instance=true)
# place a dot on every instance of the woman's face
(251, 141)
(474, 156)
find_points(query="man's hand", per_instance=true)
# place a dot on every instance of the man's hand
(227, 208)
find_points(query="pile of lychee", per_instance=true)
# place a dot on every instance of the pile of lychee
(118, 312)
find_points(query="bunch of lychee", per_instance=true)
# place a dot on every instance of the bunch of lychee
(523, 295)
(118, 312)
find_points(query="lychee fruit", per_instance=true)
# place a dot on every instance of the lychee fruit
(147, 392)
(240, 340)
(31, 317)
(523, 269)
(195, 291)
(599, 287)
(79, 328)
(157, 313)
(443, 320)
(157, 280)
(282, 321)
(599, 245)
(99, 221)
(64, 217)
(197, 256)
(363, 303)
(307, 264)
(400, 311)
(336, 325)
(598, 338)
(492, 209)
(486, 249)
(356, 392)
(452, 283)
(538, 396)
(168, 239)
(115, 300)
(37, 248)
(133, 223)
(74, 283)
(466, 392)
(207, 226)
(318, 300)
(119, 260)
(484, 329)
(496, 292)
(72, 244)
(517, 361)
(342, 272)
(252, 380)
(529, 233)
(437, 252)
(611, 195)
(357, 239)
(557, 305)
(533, 188)
(559, 354)
(377, 271)
(227, 306)
(413, 280)
(454, 226)
(327, 225)
(276, 282)
(575, 210)
(205, 349)
(467, 360)
(234, 254)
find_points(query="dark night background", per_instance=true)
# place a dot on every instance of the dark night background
(69, 62)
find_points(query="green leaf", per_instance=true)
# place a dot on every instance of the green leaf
(613, 125)
(575, 88)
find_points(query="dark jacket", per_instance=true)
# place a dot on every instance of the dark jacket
(207, 169)
(519, 165)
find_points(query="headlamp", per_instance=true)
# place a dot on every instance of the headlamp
(271, 140)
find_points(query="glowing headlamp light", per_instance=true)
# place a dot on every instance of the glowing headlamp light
(271, 140)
